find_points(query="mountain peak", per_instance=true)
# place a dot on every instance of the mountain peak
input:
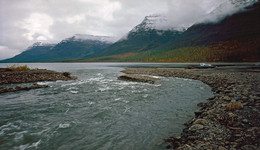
(156, 22)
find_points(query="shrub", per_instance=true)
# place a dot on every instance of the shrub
(14, 67)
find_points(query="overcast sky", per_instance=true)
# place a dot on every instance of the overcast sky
(24, 22)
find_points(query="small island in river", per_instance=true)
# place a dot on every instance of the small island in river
(230, 119)
(23, 74)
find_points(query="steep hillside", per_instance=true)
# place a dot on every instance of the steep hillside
(233, 39)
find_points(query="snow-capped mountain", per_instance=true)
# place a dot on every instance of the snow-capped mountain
(147, 42)
(150, 33)
(161, 22)
(86, 37)
(151, 22)
(156, 22)
(226, 8)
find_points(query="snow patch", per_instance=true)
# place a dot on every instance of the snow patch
(84, 37)
(156, 22)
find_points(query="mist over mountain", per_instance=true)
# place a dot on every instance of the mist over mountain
(233, 39)
(181, 16)
(226, 33)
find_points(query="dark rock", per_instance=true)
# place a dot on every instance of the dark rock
(201, 104)
(66, 74)
(212, 98)
(168, 147)
(198, 113)
(192, 138)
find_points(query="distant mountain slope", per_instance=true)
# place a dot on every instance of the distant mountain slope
(234, 39)
(77, 47)
(34, 53)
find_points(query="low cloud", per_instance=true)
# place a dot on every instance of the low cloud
(226, 8)
(185, 13)
(5, 52)
(37, 26)
(76, 19)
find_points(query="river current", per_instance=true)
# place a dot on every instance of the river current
(97, 111)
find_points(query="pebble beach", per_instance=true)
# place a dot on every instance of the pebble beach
(228, 121)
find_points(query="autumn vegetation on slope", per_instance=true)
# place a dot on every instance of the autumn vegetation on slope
(234, 39)
(244, 50)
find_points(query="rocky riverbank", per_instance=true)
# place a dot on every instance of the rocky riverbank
(19, 88)
(229, 120)
(8, 76)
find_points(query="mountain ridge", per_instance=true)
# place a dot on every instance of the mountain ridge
(75, 47)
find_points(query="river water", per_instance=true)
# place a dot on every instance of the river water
(97, 111)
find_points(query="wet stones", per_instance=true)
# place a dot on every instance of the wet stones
(227, 98)
(138, 78)
(200, 121)
(32, 75)
(196, 127)
(234, 106)
(249, 147)
(8, 76)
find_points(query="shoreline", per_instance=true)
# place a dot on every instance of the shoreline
(9, 77)
(229, 120)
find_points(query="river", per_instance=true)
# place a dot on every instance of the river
(97, 111)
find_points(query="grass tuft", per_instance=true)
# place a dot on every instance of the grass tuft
(14, 67)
